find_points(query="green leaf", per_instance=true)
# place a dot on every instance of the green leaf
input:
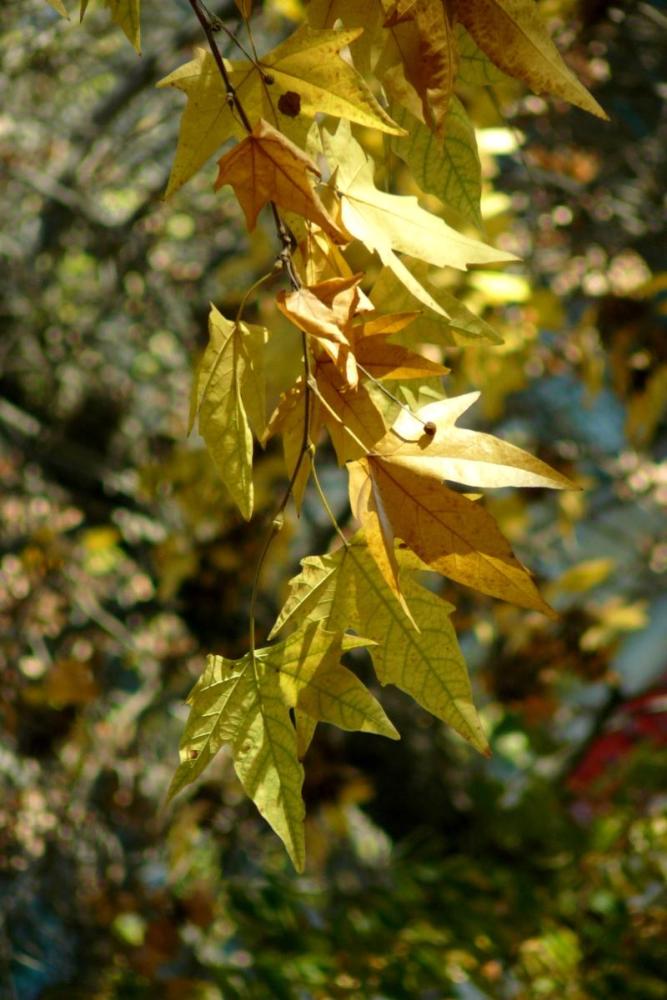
(306, 64)
(449, 167)
(346, 589)
(239, 703)
(227, 390)
(474, 67)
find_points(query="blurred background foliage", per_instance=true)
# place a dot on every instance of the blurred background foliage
(432, 873)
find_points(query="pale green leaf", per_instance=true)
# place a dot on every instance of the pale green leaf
(346, 589)
(454, 323)
(312, 679)
(229, 379)
(239, 703)
(447, 167)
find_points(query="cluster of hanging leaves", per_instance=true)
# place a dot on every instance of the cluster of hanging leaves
(394, 66)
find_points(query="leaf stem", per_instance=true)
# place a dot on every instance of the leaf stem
(325, 503)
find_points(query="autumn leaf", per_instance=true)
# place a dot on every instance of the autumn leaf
(288, 419)
(307, 63)
(266, 167)
(325, 312)
(355, 418)
(463, 456)
(347, 590)
(449, 168)
(474, 68)
(364, 16)
(387, 223)
(239, 703)
(515, 38)
(228, 387)
(312, 679)
(425, 42)
(453, 323)
(453, 535)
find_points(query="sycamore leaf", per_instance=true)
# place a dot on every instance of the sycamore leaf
(228, 383)
(452, 534)
(305, 730)
(388, 222)
(346, 590)
(306, 64)
(462, 456)
(453, 323)
(474, 68)
(354, 417)
(352, 14)
(325, 311)
(288, 419)
(239, 702)
(450, 168)
(426, 45)
(59, 6)
(514, 36)
(266, 167)
(312, 679)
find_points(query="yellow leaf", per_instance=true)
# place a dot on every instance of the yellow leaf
(266, 167)
(239, 703)
(307, 65)
(126, 14)
(426, 662)
(514, 37)
(288, 419)
(353, 417)
(462, 456)
(474, 68)
(352, 14)
(387, 223)
(452, 534)
(453, 323)
(228, 384)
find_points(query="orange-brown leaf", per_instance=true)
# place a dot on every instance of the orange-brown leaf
(452, 534)
(265, 167)
(426, 42)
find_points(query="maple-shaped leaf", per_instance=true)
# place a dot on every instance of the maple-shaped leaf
(356, 419)
(452, 323)
(514, 37)
(462, 456)
(228, 394)
(346, 590)
(425, 43)
(307, 64)
(450, 168)
(239, 703)
(453, 535)
(364, 16)
(266, 166)
(387, 222)
(325, 312)
(313, 680)
(376, 357)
